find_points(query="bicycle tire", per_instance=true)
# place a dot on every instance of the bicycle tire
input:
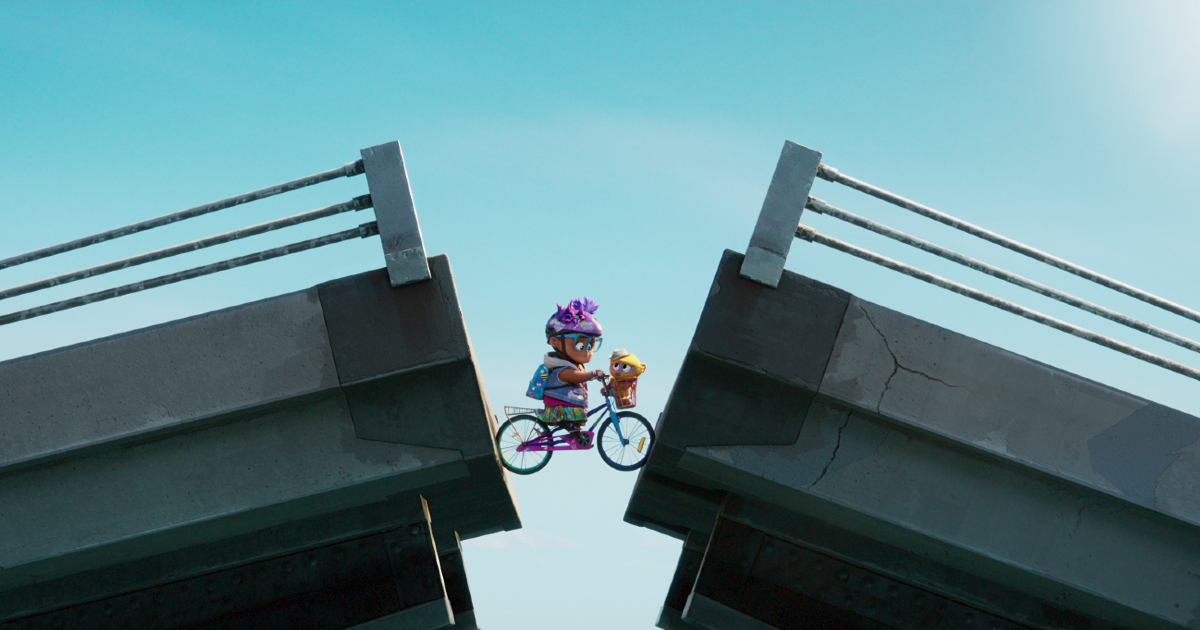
(521, 428)
(639, 439)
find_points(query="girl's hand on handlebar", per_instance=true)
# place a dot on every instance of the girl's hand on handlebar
(603, 377)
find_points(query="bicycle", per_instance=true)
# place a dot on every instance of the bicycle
(526, 443)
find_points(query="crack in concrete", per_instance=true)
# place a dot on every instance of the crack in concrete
(1078, 520)
(895, 363)
(1101, 506)
(887, 384)
(896, 366)
(887, 436)
(928, 377)
(833, 456)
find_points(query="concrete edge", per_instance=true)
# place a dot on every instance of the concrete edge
(671, 619)
(432, 615)
(143, 329)
(707, 613)
(198, 423)
(1006, 459)
(1001, 571)
(222, 526)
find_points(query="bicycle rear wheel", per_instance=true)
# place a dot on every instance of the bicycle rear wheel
(629, 453)
(517, 431)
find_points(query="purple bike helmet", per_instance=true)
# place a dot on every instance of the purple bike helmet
(577, 317)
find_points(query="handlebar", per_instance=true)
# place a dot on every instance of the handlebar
(604, 378)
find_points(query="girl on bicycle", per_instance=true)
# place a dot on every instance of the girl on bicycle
(574, 334)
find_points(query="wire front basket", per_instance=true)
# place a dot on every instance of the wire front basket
(625, 393)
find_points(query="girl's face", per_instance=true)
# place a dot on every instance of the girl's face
(577, 348)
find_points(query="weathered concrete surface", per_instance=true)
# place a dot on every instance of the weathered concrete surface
(132, 384)
(929, 377)
(925, 458)
(231, 445)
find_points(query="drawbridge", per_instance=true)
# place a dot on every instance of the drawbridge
(312, 460)
(832, 463)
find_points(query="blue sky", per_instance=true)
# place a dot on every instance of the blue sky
(610, 150)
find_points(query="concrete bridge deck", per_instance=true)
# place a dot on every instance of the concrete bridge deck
(831, 463)
(310, 460)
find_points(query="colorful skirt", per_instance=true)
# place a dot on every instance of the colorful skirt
(554, 414)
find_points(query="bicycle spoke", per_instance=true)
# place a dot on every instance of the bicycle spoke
(625, 445)
(515, 438)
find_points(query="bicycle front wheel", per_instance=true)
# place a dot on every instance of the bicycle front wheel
(626, 450)
(517, 431)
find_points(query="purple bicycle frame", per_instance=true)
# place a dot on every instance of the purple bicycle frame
(549, 442)
(568, 442)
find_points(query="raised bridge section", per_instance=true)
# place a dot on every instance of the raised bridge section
(831, 463)
(309, 460)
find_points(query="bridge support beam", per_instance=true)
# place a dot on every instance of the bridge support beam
(450, 558)
(690, 559)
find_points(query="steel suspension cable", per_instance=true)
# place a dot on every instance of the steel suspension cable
(349, 170)
(358, 203)
(807, 233)
(831, 174)
(363, 231)
(821, 207)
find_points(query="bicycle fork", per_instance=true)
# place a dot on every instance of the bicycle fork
(616, 420)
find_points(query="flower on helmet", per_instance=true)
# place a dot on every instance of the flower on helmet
(576, 316)
(576, 311)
